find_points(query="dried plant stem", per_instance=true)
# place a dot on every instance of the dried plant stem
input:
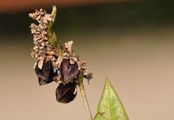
(85, 100)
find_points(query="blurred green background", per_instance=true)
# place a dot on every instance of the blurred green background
(109, 17)
(130, 42)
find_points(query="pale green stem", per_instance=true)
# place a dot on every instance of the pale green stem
(85, 100)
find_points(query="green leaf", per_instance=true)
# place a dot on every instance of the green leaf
(110, 106)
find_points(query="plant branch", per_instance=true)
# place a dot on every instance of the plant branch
(85, 100)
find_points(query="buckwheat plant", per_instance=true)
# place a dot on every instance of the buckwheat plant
(60, 64)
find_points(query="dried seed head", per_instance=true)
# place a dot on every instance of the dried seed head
(55, 63)
(40, 34)
(66, 93)
(68, 46)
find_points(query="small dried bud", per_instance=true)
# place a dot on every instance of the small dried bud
(88, 76)
(66, 93)
(69, 72)
(45, 72)
(68, 46)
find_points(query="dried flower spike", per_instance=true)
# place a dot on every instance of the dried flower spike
(56, 63)
(43, 52)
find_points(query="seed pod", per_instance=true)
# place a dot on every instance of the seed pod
(46, 73)
(66, 93)
(68, 71)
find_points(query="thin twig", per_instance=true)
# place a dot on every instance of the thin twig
(85, 100)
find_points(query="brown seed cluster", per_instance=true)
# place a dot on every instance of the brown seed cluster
(53, 63)
(40, 34)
